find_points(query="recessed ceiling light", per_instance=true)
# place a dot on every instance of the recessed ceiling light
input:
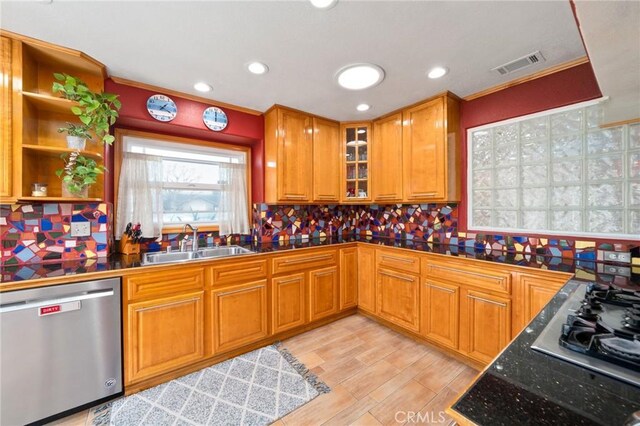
(360, 76)
(437, 72)
(363, 107)
(324, 4)
(201, 86)
(362, 131)
(257, 68)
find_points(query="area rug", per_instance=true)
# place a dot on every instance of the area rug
(256, 388)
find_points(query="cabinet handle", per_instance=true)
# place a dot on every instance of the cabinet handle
(400, 277)
(504, 305)
(422, 194)
(226, 293)
(308, 259)
(386, 197)
(398, 259)
(447, 290)
(295, 197)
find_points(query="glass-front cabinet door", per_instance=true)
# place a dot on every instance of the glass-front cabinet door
(355, 178)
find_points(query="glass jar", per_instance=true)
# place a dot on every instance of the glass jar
(39, 189)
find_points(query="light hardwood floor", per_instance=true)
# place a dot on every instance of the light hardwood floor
(377, 377)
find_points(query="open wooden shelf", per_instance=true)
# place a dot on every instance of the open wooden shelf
(58, 199)
(54, 150)
(50, 103)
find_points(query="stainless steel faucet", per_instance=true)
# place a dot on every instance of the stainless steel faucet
(194, 243)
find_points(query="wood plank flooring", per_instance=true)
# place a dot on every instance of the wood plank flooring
(377, 377)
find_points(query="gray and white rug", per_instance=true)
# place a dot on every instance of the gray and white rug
(256, 388)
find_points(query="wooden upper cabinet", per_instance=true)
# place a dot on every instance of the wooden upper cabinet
(37, 113)
(6, 150)
(288, 155)
(431, 151)
(386, 159)
(326, 164)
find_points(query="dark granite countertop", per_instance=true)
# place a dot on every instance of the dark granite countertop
(523, 386)
(583, 269)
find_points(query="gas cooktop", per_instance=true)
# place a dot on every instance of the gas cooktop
(598, 327)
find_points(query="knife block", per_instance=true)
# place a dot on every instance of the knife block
(127, 246)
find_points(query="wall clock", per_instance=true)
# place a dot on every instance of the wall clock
(214, 118)
(162, 108)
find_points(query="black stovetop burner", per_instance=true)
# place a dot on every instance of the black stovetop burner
(606, 326)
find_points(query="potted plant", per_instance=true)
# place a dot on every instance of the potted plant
(78, 174)
(96, 112)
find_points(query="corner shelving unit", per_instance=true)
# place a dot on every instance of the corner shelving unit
(355, 152)
(38, 113)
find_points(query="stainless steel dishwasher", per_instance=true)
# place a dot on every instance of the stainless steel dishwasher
(60, 349)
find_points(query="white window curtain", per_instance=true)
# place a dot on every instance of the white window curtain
(233, 214)
(140, 194)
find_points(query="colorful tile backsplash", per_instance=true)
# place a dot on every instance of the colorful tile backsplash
(434, 223)
(34, 233)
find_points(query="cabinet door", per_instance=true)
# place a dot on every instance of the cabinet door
(162, 335)
(424, 147)
(440, 313)
(239, 315)
(5, 107)
(398, 298)
(295, 150)
(485, 325)
(367, 279)
(324, 288)
(288, 302)
(531, 292)
(326, 160)
(348, 278)
(386, 159)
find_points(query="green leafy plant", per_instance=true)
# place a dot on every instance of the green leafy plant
(81, 130)
(96, 111)
(79, 171)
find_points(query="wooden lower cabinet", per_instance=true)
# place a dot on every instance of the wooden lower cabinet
(440, 309)
(324, 293)
(288, 302)
(240, 315)
(485, 324)
(398, 298)
(367, 279)
(163, 334)
(531, 292)
(348, 278)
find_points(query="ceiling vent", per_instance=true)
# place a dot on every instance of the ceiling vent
(518, 64)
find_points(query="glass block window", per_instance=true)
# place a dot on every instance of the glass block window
(556, 172)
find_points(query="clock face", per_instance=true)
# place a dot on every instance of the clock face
(214, 118)
(162, 108)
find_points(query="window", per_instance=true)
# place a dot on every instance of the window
(556, 172)
(195, 183)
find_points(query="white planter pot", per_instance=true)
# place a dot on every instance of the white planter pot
(76, 142)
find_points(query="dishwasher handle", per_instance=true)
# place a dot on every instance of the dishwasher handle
(20, 306)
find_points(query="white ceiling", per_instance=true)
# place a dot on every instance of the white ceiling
(176, 43)
(611, 31)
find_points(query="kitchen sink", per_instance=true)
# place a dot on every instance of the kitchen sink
(184, 256)
(222, 251)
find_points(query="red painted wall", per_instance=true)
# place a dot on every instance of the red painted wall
(577, 84)
(243, 129)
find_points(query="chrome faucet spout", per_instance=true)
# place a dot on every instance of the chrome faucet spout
(194, 243)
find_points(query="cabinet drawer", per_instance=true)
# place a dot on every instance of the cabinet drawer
(231, 273)
(164, 282)
(308, 260)
(487, 279)
(400, 261)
